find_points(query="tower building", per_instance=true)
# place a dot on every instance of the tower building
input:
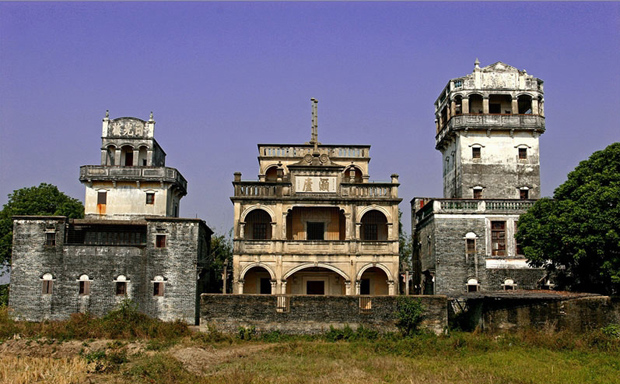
(314, 224)
(130, 245)
(488, 125)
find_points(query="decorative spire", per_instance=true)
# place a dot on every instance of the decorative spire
(477, 63)
(107, 113)
(151, 116)
(314, 138)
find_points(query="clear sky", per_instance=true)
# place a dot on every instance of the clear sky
(221, 77)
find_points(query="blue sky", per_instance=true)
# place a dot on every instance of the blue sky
(221, 77)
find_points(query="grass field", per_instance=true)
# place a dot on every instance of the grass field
(89, 350)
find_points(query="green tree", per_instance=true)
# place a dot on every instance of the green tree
(45, 200)
(220, 262)
(576, 235)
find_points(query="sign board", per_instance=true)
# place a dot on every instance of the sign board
(315, 184)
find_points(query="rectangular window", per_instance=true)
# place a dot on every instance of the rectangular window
(84, 288)
(50, 239)
(47, 287)
(150, 198)
(472, 287)
(315, 231)
(160, 241)
(365, 287)
(471, 247)
(478, 193)
(508, 287)
(259, 231)
(102, 197)
(158, 288)
(315, 287)
(522, 153)
(265, 286)
(498, 238)
(524, 194)
(121, 288)
(517, 244)
(475, 152)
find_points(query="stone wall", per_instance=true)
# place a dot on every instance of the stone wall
(574, 313)
(312, 314)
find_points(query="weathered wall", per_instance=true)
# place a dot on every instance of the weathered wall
(574, 315)
(312, 314)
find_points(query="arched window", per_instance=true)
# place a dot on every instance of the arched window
(127, 156)
(142, 156)
(473, 285)
(374, 226)
(84, 285)
(353, 175)
(509, 285)
(48, 284)
(271, 174)
(525, 104)
(121, 285)
(158, 286)
(258, 225)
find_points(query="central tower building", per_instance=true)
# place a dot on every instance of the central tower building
(314, 224)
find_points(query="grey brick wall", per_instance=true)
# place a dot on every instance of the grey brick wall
(312, 314)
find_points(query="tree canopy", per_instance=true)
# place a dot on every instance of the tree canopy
(576, 235)
(45, 200)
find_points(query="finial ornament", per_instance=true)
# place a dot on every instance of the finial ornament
(314, 138)
(477, 63)
(107, 113)
(151, 116)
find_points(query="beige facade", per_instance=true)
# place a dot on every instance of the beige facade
(132, 180)
(314, 224)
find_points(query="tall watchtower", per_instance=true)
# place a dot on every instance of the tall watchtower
(488, 123)
(132, 180)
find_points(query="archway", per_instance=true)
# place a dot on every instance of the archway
(316, 280)
(258, 225)
(374, 226)
(257, 280)
(374, 282)
(127, 156)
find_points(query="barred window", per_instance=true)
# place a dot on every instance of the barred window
(470, 247)
(475, 152)
(522, 153)
(498, 238)
(150, 198)
(160, 241)
(50, 239)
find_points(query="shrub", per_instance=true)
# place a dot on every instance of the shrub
(409, 313)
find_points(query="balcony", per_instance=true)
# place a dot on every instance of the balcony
(259, 189)
(491, 121)
(304, 247)
(299, 151)
(508, 206)
(117, 173)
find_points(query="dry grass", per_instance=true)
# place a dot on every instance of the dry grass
(25, 370)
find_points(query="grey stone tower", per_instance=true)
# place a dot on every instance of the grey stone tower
(488, 124)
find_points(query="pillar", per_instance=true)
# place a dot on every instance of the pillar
(515, 106)
(240, 287)
(347, 286)
(485, 105)
(465, 106)
(283, 287)
(391, 290)
(534, 106)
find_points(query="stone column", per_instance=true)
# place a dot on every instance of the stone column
(347, 287)
(274, 287)
(240, 286)
(391, 290)
(136, 157)
(117, 156)
(534, 106)
(452, 108)
(515, 106)
(358, 287)
(485, 105)
(465, 106)
(283, 287)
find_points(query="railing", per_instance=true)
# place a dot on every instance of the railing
(106, 172)
(505, 121)
(333, 151)
(473, 206)
(370, 190)
(381, 190)
(306, 247)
